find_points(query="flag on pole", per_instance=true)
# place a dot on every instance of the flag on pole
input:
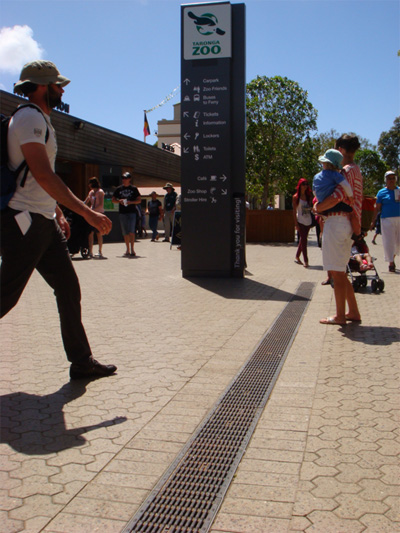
(146, 127)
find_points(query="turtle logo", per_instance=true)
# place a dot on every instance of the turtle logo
(206, 24)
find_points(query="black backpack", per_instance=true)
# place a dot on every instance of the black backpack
(8, 182)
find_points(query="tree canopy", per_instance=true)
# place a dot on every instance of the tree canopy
(281, 146)
(389, 145)
(279, 120)
(373, 169)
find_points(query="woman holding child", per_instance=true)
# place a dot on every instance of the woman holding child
(338, 230)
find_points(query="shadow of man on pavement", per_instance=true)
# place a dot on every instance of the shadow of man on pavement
(35, 425)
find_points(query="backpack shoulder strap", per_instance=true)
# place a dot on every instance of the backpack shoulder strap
(33, 106)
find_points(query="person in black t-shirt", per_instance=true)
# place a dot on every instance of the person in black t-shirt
(154, 208)
(128, 197)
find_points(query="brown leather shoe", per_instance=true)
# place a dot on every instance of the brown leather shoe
(91, 369)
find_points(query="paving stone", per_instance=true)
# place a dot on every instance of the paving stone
(299, 523)
(310, 471)
(257, 508)
(379, 524)
(248, 524)
(329, 487)
(393, 514)
(351, 473)
(80, 523)
(327, 521)
(306, 503)
(353, 506)
(9, 525)
(7, 503)
(35, 506)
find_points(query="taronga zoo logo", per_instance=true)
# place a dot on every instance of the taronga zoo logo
(206, 24)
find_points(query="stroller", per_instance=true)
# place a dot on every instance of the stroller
(80, 229)
(362, 263)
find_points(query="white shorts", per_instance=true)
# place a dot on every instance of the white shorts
(390, 228)
(336, 243)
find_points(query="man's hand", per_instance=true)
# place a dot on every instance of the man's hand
(62, 222)
(99, 221)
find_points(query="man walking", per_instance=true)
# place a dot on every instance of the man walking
(34, 231)
(388, 206)
(169, 209)
(128, 197)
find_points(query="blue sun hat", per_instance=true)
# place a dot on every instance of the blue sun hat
(332, 156)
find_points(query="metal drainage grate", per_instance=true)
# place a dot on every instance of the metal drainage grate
(188, 496)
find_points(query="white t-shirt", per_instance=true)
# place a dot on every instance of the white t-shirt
(304, 213)
(30, 126)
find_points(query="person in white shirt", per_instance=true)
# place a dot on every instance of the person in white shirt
(34, 231)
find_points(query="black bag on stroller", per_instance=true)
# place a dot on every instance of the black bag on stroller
(80, 229)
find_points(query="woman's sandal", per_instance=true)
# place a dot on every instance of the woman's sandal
(298, 261)
(331, 321)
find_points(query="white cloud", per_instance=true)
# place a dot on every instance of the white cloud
(17, 47)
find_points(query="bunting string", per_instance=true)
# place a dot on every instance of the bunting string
(166, 99)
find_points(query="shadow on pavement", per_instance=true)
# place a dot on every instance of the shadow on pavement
(241, 289)
(35, 425)
(375, 335)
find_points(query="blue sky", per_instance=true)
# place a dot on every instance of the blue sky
(123, 56)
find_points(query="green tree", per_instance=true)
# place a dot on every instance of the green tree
(279, 120)
(389, 145)
(373, 169)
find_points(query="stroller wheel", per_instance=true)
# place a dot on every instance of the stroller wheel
(356, 284)
(85, 253)
(363, 281)
(381, 285)
(374, 285)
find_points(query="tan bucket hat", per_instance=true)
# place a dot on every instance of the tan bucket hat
(40, 72)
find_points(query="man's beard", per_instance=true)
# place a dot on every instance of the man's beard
(53, 97)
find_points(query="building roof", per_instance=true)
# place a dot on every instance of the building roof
(146, 191)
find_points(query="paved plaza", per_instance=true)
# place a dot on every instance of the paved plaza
(82, 456)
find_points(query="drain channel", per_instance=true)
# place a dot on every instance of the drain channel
(188, 496)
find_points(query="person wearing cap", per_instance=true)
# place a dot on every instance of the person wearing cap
(325, 182)
(154, 209)
(169, 208)
(34, 231)
(337, 234)
(388, 205)
(128, 197)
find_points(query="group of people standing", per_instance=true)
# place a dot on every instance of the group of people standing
(34, 230)
(335, 199)
(128, 198)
